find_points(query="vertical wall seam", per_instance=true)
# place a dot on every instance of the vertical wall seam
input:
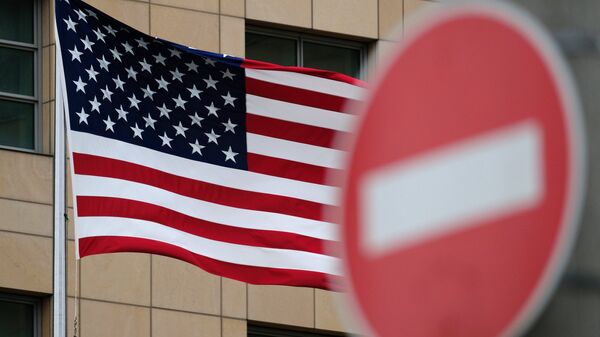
(378, 20)
(312, 14)
(314, 308)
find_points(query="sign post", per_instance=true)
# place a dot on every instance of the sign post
(465, 182)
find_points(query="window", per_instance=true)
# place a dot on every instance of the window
(19, 68)
(255, 330)
(19, 316)
(297, 49)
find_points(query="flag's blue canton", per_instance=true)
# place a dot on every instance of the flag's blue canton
(125, 85)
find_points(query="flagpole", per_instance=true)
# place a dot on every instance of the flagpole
(59, 279)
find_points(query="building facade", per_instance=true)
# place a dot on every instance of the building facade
(132, 294)
(140, 294)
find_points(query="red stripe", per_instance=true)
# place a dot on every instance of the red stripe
(288, 169)
(133, 209)
(296, 95)
(255, 275)
(295, 132)
(106, 167)
(330, 75)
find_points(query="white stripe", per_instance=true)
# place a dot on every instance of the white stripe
(110, 187)
(299, 152)
(448, 189)
(218, 250)
(308, 82)
(297, 113)
(240, 179)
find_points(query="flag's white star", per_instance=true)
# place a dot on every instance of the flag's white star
(210, 83)
(133, 101)
(165, 139)
(145, 65)
(109, 124)
(196, 119)
(229, 99)
(180, 130)
(70, 24)
(159, 59)
(80, 85)
(196, 147)
(209, 61)
(92, 73)
(81, 15)
(177, 75)
(137, 132)
(175, 53)
(162, 84)
(110, 30)
(149, 121)
(164, 111)
(87, 44)
(212, 136)
(194, 92)
(229, 126)
(131, 73)
(212, 110)
(128, 47)
(95, 104)
(192, 66)
(106, 93)
(122, 113)
(92, 14)
(82, 116)
(99, 35)
(103, 63)
(119, 83)
(75, 54)
(115, 53)
(227, 74)
(229, 154)
(142, 43)
(179, 102)
(148, 92)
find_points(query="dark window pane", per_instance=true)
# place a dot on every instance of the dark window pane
(16, 71)
(16, 20)
(16, 125)
(339, 59)
(16, 319)
(272, 49)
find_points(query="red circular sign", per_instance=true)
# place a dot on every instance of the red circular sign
(465, 180)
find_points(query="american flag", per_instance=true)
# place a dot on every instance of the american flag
(204, 157)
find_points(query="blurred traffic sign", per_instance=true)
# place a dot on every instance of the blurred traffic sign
(465, 180)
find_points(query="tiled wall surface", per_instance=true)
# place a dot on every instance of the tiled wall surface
(144, 295)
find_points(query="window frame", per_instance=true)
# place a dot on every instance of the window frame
(261, 329)
(37, 309)
(36, 99)
(301, 37)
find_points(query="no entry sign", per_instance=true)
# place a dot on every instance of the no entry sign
(465, 179)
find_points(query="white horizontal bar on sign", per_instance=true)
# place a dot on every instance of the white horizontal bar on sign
(244, 180)
(297, 113)
(299, 152)
(308, 82)
(218, 250)
(452, 188)
(94, 186)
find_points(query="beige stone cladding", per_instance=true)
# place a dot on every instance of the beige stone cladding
(146, 295)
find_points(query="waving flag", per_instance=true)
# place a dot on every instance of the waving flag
(208, 158)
